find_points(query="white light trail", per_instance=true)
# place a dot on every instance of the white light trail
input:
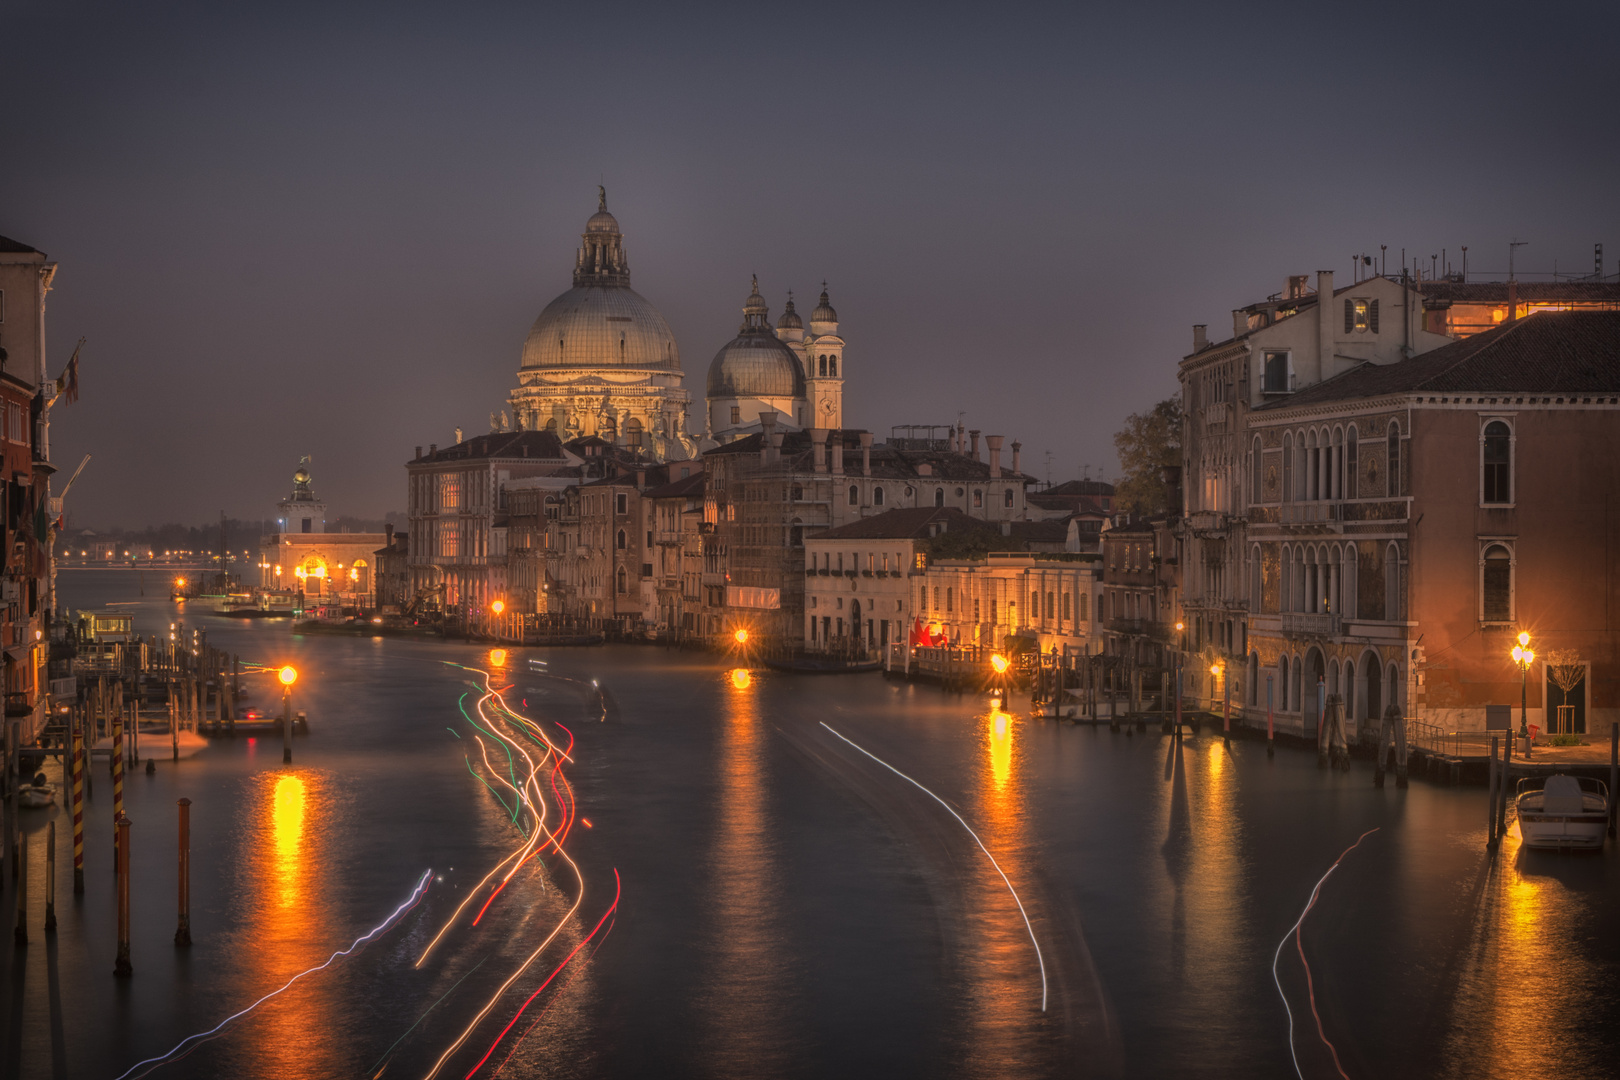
(1293, 932)
(410, 901)
(1039, 959)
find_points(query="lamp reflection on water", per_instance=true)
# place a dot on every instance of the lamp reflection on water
(287, 820)
(1000, 739)
(741, 679)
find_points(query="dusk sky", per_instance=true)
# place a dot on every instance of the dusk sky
(328, 232)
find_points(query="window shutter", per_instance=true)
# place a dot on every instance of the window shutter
(1372, 316)
(1349, 317)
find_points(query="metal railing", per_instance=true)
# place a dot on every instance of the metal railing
(1434, 739)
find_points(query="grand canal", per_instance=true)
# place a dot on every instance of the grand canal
(789, 905)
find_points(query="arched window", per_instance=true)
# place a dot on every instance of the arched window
(1496, 464)
(832, 365)
(622, 540)
(1064, 608)
(1297, 689)
(854, 495)
(1288, 467)
(1392, 474)
(1256, 491)
(623, 581)
(939, 496)
(1347, 584)
(1254, 678)
(1337, 465)
(1392, 583)
(822, 367)
(1313, 459)
(1287, 583)
(1007, 498)
(1496, 577)
(632, 429)
(877, 496)
(1254, 580)
(1352, 475)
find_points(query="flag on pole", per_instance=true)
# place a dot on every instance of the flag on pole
(67, 384)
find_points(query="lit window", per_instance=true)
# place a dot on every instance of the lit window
(1361, 316)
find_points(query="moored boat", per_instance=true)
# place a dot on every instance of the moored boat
(1562, 812)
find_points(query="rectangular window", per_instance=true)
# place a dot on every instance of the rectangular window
(1274, 378)
(1394, 470)
(624, 503)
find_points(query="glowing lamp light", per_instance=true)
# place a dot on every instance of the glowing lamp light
(179, 582)
(498, 606)
(1180, 627)
(377, 620)
(741, 679)
(741, 637)
(1524, 639)
(998, 662)
(1215, 669)
(288, 675)
(497, 658)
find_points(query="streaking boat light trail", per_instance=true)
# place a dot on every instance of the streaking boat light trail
(1294, 933)
(512, 730)
(190, 1041)
(1039, 959)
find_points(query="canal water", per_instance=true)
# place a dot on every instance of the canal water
(801, 891)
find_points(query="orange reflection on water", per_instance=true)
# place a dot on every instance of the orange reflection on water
(287, 823)
(744, 1014)
(999, 739)
(286, 934)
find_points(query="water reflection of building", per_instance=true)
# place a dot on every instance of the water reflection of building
(303, 557)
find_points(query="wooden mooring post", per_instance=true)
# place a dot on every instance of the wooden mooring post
(50, 877)
(1491, 838)
(182, 934)
(1502, 787)
(1614, 771)
(121, 965)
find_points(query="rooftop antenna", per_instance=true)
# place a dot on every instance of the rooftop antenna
(1465, 264)
(1597, 261)
(1049, 468)
(1383, 258)
(1514, 245)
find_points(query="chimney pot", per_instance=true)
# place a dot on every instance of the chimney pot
(1200, 337)
(1017, 448)
(866, 453)
(433, 448)
(993, 442)
(1240, 322)
(418, 453)
(973, 445)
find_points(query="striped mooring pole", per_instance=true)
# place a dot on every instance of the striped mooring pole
(118, 785)
(78, 811)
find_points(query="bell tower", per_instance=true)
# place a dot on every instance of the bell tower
(824, 366)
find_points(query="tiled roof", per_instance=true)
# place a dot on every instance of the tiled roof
(1080, 487)
(679, 489)
(16, 247)
(888, 462)
(1550, 352)
(505, 444)
(910, 523)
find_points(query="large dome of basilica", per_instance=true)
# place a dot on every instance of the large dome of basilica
(601, 322)
(594, 326)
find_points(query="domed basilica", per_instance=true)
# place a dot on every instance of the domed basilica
(600, 360)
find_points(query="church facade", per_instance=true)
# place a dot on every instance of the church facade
(601, 361)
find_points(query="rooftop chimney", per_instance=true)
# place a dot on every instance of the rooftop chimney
(388, 534)
(818, 445)
(1513, 300)
(838, 453)
(1324, 323)
(973, 445)
(925, 468)
(767, 424)
(993, 442)
(866, 453)
(1017, 447)
(1296, 285)
(418, 453)
(1240, 322)
(433, 448)
(1200, 337)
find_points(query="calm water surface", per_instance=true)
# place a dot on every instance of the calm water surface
(791, 907)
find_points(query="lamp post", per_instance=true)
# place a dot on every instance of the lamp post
(497, 606)
(1523, 655)
(1181, 647)
(288, 675)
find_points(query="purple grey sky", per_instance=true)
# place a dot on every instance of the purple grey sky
(292, 232)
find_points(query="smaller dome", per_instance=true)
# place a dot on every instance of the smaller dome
(790, 319)
(602, 221)
(824, 311)
(301, 477)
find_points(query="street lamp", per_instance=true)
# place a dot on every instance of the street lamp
(1524, 657)
(288, 675)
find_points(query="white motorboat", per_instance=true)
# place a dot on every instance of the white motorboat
(36, 795)
(1562, 812)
